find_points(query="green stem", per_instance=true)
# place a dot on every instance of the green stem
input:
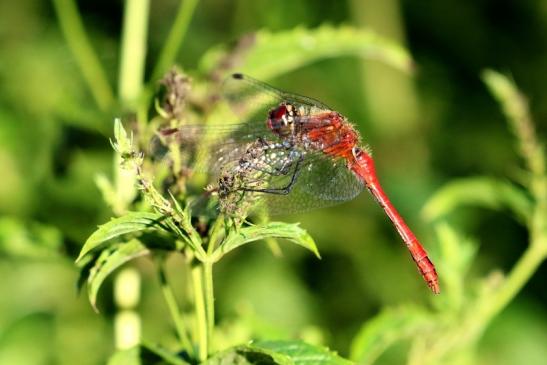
(201, 314)
(86, 58)
(519, 276)
(175, 37)
(209, 301)
(174, 310)
(133, 50)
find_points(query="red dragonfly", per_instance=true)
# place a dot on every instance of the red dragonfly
(301, 155)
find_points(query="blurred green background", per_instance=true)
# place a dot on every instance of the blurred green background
(425, 129)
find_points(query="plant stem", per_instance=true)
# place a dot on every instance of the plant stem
(201, 314)
(174, 310)
(133, 51)
(86, 58)
(519, 276)
(175, 37)
(209, 301)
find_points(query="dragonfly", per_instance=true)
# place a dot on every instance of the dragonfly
(289, 153)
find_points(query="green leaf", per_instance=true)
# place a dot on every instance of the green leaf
(301, 353)
(108, 261)
(387, 328)
(288, 231)
(29, 240)
(515, 107)
(249, 355)
(129, 223)
(123, 143)
(481, 192)
(456, 255)
(145, 354)
(273, 54)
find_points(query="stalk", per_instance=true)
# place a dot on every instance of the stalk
(201, 312)
(133, 51)
(175, 37)
(174, 310)
(94, 75)
(209, 302)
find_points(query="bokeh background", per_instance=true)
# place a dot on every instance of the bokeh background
(427, 128)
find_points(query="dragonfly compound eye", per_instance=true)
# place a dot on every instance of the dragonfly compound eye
(356, 151)
(281, 119)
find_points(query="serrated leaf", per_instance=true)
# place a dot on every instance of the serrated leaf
(249, 355)
(110, 260)
(301, 353)
(129, 223)
(287, 231)
(273, 54)
(387, 328)
(145, 355)
(481, 192)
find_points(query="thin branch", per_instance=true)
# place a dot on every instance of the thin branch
(73, 30)
(175, 38)
(133, 50)
(201, 314)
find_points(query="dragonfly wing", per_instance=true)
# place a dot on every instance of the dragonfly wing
(250, 98)
(209, 146)
(316, 181)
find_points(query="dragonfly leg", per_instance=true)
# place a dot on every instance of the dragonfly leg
(285, 190)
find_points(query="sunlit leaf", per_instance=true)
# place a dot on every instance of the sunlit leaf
(145, 355)
(301, 353)
(387, 328)
(108, 261)
(122, 142)
(249, 355)
(273, 54)
(290, 232)
(479, 192)
(129, 223)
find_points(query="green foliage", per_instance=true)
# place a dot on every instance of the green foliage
(479, 192)
(35, 241)
(290, 232)
(468, 304)
(390, 326)
(457, 253)
(129, 223)
(110, 260)
(440, 330)
(267, 54)
(55, 117)
(302, 353)
(278, 353)
(122, 240)
(145, 354)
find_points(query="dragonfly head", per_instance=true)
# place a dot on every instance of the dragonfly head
(282, 118)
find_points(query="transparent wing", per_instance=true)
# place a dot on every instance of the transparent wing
(213, 146)
(298, 183)
(322, 182)
(209, 146)
(250, 98)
